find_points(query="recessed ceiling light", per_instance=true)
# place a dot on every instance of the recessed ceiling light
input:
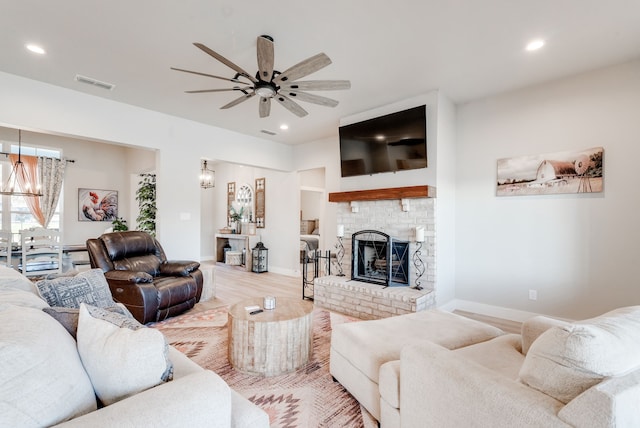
(284, 126)
(36, 49)
(535, 45)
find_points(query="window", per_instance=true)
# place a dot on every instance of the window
(13, 209)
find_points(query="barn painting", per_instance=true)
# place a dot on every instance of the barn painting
(552, 173)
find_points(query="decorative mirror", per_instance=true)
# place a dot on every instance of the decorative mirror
(244, 197)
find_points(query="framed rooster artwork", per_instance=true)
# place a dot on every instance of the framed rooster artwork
(97, 205)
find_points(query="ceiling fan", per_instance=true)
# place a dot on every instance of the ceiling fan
(269, 83)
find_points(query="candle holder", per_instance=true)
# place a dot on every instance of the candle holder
(339, 255)
(418, 265)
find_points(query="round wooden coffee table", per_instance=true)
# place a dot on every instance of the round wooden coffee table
(272, 342)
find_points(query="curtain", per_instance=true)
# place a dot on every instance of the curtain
(46, 175)
(51, 178)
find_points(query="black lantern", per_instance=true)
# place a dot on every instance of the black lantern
(260, 258)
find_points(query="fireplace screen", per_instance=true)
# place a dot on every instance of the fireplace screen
(379, 259)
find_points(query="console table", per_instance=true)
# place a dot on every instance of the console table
(237, 242)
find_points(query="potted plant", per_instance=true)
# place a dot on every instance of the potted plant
(146, 197)
(235, 214)
(119, 224)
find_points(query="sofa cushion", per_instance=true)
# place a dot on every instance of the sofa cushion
(502, 354)
(121, 356)
(565, 361)
(42, 380)
(68, 317)
(22, 298)
(11, 278)
(89, 287)
(369, 344)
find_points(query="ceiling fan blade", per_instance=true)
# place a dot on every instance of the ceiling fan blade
(291, 105)
(317, 85)
(238, 100)
(226, 62)
(304, 68)
(208, 75)
(201, 91)
(265, 107)
(265, 58)
(310, 98)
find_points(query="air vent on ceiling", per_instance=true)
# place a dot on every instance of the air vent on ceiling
(264, 131)
(91, 81)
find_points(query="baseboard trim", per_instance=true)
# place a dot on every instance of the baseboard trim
(488, 310)
(286, 272)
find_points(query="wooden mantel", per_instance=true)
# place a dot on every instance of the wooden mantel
(381, 194)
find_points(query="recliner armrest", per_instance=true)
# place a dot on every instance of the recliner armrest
(128, 276)
(178, 267)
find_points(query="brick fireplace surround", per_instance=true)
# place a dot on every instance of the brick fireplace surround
(396, 216)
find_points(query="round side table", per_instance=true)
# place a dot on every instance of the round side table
(272, 342)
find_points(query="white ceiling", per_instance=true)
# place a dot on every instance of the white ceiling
(389, 51)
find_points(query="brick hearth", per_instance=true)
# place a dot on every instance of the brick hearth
(369, 301)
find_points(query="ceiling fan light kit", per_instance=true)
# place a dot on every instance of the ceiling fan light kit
(269, 83)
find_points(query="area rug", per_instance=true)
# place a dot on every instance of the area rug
(306, 398)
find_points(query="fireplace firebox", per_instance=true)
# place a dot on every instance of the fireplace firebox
(380, 259)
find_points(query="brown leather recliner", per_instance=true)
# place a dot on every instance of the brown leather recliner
(141, 277)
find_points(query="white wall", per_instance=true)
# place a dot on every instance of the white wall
(96, 165)
(580, 252)
(323, 154)
(281, 232)
(445, 201)
(312, 204)
(33, 105)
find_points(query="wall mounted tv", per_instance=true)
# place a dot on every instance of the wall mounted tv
(394, 142)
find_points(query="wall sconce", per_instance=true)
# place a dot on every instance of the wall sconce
(354, 207)
(207, 176)
(405, 204)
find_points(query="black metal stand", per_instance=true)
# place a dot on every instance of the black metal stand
(314, 266)
(418, 265)
(340, 256)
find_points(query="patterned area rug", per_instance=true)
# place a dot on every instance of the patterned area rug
(306, 398)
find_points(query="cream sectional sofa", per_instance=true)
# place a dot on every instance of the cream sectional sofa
(365, 355)
(555, 374)
(437, 369)
(43, 380)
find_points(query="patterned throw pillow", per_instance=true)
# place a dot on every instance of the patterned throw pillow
(121, 356)
(87, 287)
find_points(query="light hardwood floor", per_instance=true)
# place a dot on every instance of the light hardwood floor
(234, 285)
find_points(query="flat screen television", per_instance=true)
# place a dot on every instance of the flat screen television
(394, 142)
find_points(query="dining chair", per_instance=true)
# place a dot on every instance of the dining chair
(5, 248)
(41, 252)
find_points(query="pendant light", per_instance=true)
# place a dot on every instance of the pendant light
(12, 186)
(207, 177)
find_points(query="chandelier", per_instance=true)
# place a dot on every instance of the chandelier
(18, 175)
(207, 177)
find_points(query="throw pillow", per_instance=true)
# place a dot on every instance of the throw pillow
(87, 287)
(42, 380)
(566, 361)
(122, 357)
(68, 317)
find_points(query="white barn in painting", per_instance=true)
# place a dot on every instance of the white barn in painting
(554, 170)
